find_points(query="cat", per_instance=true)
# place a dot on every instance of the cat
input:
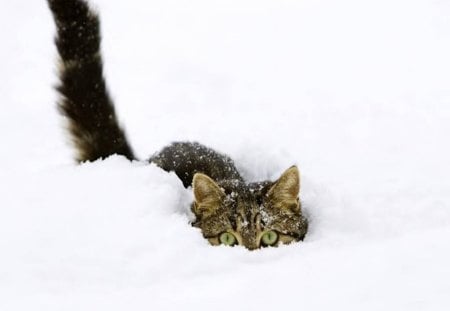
(227, 209)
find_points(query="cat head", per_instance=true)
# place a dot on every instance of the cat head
(253, 215)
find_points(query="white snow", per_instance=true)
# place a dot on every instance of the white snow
(357, 93)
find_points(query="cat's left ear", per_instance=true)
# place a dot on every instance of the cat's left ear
(208, 195)
(284, 193)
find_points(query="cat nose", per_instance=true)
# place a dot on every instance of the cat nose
(251, 247)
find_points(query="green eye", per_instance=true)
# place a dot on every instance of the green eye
(269, 238)
(227, 238)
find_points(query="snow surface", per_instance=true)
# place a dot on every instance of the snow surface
(357, 93)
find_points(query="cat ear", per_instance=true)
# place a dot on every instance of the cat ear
(285, 191)
(208, 195)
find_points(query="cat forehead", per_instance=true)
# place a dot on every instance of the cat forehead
(243, 191)
(247, 202)
(243, 198)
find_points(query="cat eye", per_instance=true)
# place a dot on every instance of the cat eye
(269, 238)
(228, 239)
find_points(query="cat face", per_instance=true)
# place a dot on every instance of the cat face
(252, 215)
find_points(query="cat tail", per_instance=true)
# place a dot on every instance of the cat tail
(84, 98)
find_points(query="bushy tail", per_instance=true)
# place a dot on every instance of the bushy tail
(84, 98)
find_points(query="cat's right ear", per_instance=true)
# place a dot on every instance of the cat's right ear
(208, 195)
(285, 191)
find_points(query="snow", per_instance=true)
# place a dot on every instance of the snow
(357, 93)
